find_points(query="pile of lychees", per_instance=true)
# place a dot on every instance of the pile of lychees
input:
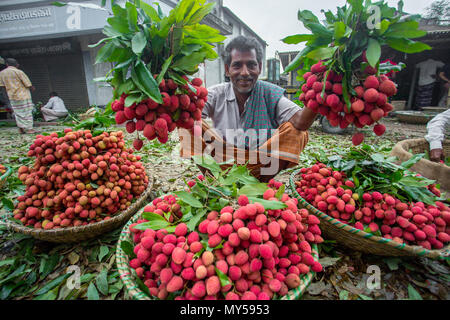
(413, 223)
(243, 252)
(180, 108)
(78, 179)
(323, 93)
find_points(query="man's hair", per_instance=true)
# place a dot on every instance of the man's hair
(53, 94)
(243, 44)
(12, 62)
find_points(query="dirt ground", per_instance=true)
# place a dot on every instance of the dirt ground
(346, 272)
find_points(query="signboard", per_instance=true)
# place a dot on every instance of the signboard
(62, 46)
(49, 20)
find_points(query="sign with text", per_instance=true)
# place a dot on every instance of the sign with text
(50, 20)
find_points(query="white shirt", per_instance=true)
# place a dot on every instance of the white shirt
(436, 129)
(56, 104)
(223, 109)
(428, 69)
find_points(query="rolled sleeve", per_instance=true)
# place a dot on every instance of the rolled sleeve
(436, 130)
(286, 110)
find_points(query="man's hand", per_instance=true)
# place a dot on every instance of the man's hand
(303, 119)
(436, 155)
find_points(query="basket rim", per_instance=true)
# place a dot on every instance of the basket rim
(127, 274)
(80, 229)
(441, 254)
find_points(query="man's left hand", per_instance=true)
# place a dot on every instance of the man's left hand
(436, 155)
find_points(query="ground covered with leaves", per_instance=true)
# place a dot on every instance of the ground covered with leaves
(33, 269)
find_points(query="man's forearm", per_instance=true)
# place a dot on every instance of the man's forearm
(443, 77)
(303, 119)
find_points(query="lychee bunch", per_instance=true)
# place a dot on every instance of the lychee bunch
(78, 179)
(260, 253)
(180, 108)
(369, 104)
(411, 223)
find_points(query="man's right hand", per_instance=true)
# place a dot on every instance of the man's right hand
(436, 155)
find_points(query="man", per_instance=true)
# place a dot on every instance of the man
(54, 108)
(427, 81)
(436, 134)
(18, 87)
(253, 121)
(444, 76)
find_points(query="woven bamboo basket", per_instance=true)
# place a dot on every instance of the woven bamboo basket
(77, 234)
(128, 275)
(431, 170)
(5, 176)
(362, 241)
(415, 117)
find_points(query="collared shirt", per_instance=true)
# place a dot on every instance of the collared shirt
(16, 82)
(222, 107)
(436, 128)
(56, 104)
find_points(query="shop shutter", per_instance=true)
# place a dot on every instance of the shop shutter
(63, 74)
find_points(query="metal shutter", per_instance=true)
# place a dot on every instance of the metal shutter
(63, 74)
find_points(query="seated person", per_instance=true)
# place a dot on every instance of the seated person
(253, 121)
(54, 108)
(436, 134)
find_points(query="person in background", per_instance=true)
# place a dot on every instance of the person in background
(250, 108)
(54, 108)
(444, 76)
(436, 130)
(427, 81)
(18, 86)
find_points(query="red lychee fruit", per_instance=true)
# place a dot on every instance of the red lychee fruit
(357, 138)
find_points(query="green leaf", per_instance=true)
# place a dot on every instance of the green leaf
(298, 38)
(105, 52)
(339, 29)
(150, 11)
(257, 189)
(104, 250)
(144, 81)
(224, 280)
(119, 24)
(48, 265)
(343, 295)
(193, 222)
(413, 160)
(127, 247)
(50, 295)
(280, 192)
(322, 53)
(188, 198)
(373, 52)
(413, 294)
(142, 286)
(155, 223)
(8, 204)
(407, 46)
(131, 15)
(7, 262)
(52, 284)
(364, 297)
(268, 205)
(164, 68)
(138, 43)
(102, 282)
(92, 293)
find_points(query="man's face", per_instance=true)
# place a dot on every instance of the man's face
(243, 70)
